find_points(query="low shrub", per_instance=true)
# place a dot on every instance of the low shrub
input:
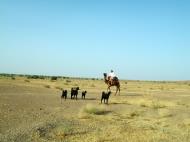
(68, 81)
(59, 88)
(54, 78)
(27, 80)
(93, 109)
(47, 86)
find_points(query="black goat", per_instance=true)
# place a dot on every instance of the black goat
(64, 95)
(74, 92)
(105, 96)
(84, 94)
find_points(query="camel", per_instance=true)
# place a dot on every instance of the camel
(113, 82)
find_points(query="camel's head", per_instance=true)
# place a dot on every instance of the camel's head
(105, 75)
(105, 78)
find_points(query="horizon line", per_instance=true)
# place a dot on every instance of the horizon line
(96, 78)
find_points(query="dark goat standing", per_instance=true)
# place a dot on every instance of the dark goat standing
(84, 94)
(64, 95)
(105, 96)
(74, 92)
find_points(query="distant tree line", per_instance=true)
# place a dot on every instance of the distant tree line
(53, 78)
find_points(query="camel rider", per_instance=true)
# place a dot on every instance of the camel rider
(111, 76)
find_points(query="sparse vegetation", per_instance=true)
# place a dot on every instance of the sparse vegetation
(47, 86)
(161, 88)
(138, 114)
(143, 105)
(54, 78)
(92, 85)
(157, 105)
(94, 109)
(13, 78)
(68, 81)
(26, 80)
(66, 84)
(35, 77)
(75, 84)
(59, 88)
(134, 114)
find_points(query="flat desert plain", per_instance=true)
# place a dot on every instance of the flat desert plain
(145, 111)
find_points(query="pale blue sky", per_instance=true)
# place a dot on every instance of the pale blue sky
(138, 39)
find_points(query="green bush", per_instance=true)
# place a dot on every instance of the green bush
(13, 78)
(54, 78)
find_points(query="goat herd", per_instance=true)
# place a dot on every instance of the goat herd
(74, 94)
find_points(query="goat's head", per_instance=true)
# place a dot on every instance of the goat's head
(103, 93)
(109, 93)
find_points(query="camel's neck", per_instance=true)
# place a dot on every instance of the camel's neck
(105, 78)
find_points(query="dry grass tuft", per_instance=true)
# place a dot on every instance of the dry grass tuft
(27, 80)
(157, 105)
(59, 88)
(134, 114)
(90, 109)
(47, 86)
(92, 85)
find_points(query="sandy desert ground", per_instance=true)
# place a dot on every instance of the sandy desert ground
(31, 110)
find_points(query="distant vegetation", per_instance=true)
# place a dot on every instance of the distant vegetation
(52, 78)
(35, 77)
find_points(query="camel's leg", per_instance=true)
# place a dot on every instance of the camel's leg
(116, 91)
(108, 88)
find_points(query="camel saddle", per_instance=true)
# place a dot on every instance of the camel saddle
(114, 79)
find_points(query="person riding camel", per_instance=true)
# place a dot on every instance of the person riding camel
(111, 76)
